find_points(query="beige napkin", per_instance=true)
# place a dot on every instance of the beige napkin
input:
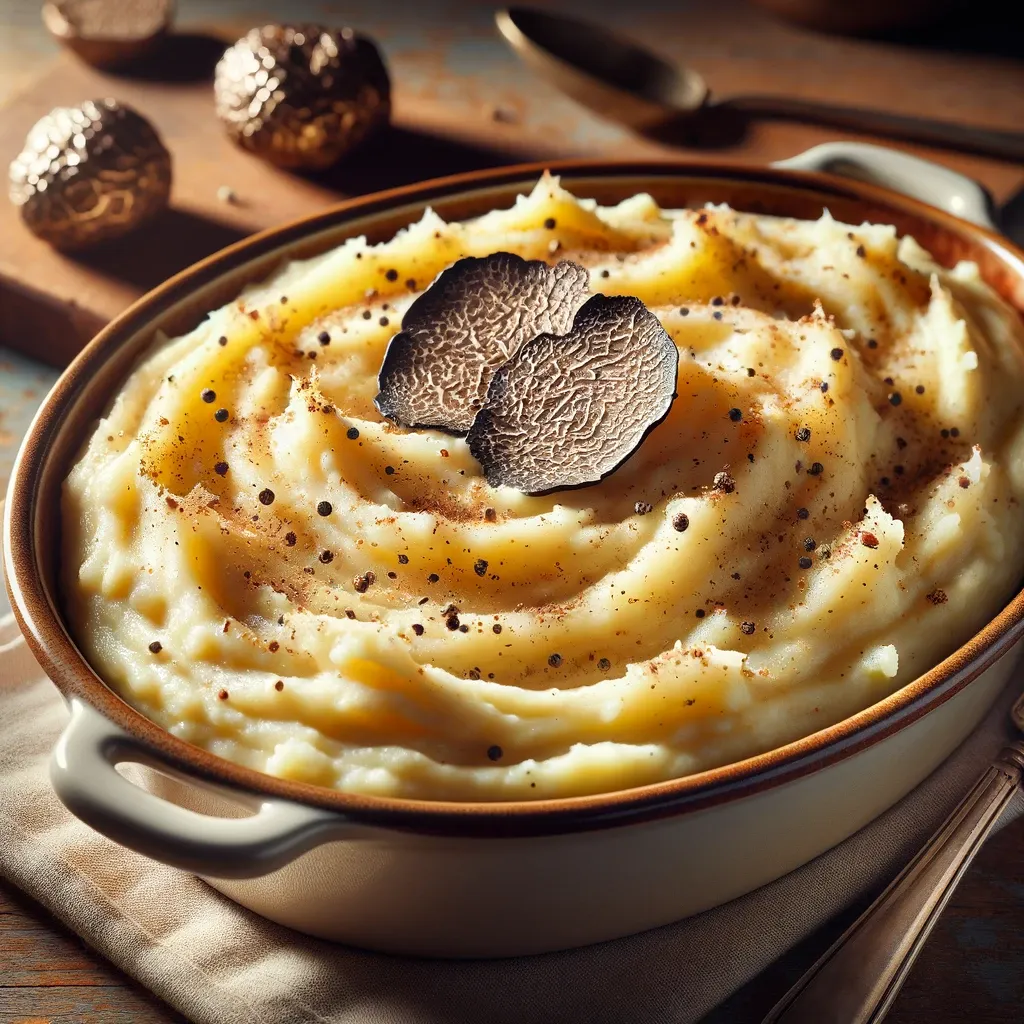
(220, 964)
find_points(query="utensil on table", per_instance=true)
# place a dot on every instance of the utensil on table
(858, 978)
(624, 82)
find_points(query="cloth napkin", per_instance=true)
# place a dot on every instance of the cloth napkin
(220, 964)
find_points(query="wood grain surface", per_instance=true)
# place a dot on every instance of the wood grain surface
(463, 102)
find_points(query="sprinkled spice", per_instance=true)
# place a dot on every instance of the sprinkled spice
(383, 321)
(555, 660)
(392, 575)
(810, 543)
(490, 515)
(495, 753)
(403, 559)
(805, 562)
(803, 434)
(550, 223)
(919, 389)
(964, 482)
(367, 314)
(496, 628)
(324, 508)
(289, 539)
(604, 664)
(641, 508)
(223, 695)
(836, 354)
(352, 433)
(717, 314)
(349, 613)
(699, 613)
(895, 398)
(327, 557)
(861, 251)
(872, 343)
(155, 647)
(823, 386)
(735, 415)
(390, 470)
(452, 622)
(463, 628)
(266, 496)
(717, 301)
(273, 647)
(208, 395)
(391, 274)
(954, 432)
(816, 469)
(683, 311)
(222, 341)
(901, 443)
(680, 522)
(279, 685)
(802, 513)
(747, 628)
(480, 567)
(898, 470)
(869, 540)
(433, 578)
(417, 628)
(724, 482)
(220, 468)
(751, 371)
(363, 583)
(938, 597)
(221, 415)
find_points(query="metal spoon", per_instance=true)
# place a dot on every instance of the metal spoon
(857, 979)
(622, 81)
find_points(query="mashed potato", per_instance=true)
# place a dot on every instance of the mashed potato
(260, 563)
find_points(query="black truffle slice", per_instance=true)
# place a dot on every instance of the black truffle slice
(567, 411)
(470, 321)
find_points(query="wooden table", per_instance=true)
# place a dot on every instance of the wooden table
(452, 74)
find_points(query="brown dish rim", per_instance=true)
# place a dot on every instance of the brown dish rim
(37, 611)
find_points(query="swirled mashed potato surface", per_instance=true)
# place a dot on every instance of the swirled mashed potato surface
(833, 508)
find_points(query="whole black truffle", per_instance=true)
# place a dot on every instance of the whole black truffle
(302, 96)
(89, 174)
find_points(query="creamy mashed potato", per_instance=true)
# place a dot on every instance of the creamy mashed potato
(258, 562)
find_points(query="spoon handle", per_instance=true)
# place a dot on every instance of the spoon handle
(856, 981)
(985, 141)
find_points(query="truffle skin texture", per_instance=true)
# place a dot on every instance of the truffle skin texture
(477, 315)
(567, 411)
(302, 96)
(89, 174)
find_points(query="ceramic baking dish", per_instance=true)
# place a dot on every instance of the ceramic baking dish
(493, 879)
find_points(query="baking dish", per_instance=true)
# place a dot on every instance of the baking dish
(492, 879)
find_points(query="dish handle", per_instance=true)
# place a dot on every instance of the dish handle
(83, 770)
(921, 179)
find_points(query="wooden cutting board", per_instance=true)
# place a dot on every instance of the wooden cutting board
(51, 304)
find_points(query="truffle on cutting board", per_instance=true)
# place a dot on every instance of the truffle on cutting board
(302, 96)
(90, 173)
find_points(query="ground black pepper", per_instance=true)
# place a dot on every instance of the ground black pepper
(810, 543)
(802, 513)
(364, 582)
(289, 539)
(403, 559)
(555, 660)
(480, 567)
(895, 398)
(747, 628)
(680, 522)
(604, 664)
(327, 557)
(391, 274)
(417, 629)
(208, 395)
(803, 434)
(495, 752)
(324, 508)
(220, 468)
(279, 685)
(452, 622)
(390, 470)
(919, 389)
(324, 338)
(550, 223)
(266, 496)
(805, 562)
(155, 647)
(699, 613)
(815, 469)
(433, 578)
(836, 354)
(496, 628)
(222, 341)
(735, 415)
(221, 415)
